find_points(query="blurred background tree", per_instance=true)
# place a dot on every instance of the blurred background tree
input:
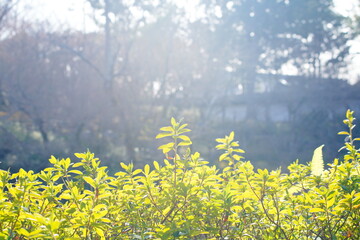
(270, 70)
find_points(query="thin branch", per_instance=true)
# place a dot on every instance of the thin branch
(80, 55)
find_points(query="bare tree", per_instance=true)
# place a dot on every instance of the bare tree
(5, 8)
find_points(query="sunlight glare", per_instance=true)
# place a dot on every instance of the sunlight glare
(193, 9)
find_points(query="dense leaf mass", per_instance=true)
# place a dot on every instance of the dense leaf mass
(183, 198)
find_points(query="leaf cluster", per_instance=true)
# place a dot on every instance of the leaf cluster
(183, 197)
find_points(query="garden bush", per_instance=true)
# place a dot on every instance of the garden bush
(184, 197)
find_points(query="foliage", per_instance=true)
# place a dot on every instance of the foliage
(317, 162)
(184, 198)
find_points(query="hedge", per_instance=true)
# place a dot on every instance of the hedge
(184, 197)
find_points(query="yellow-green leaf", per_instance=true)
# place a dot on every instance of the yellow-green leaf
(162, 135)
(90, 181)
(223, 156)
(52, 160)
(330, 202)
(124, 166)
(156, 165)
(137, 171)
(147, 169)
(314, 210)
(231, 136)
(99, 207)
(317, 163)
(76, 172)
(167, 146)
(173, 122)
(167, 129)
(185, 138)
(185, 143)
(23, 231)
(78, 164)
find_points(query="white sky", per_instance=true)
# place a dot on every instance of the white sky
(75, 14)
(65, 13)
(346, 7)
(71, 11)
(349, 8)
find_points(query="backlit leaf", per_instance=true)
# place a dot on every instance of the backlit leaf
(90, 181)
(162, 135)
(314, 210)
(156, 165)
(147, 169)
(317, 163)
(167, 129)
(343, 133)
(173, 122)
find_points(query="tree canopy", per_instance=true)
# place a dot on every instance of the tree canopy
(109, 90)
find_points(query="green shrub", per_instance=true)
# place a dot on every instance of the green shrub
(185, 198)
